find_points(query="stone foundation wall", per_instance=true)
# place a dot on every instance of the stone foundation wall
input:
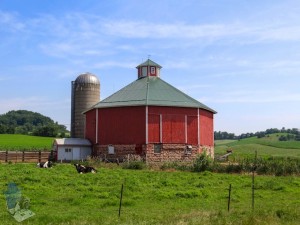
(121, 152)
(168, 152)
(209, 150)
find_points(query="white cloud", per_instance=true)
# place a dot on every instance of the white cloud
(79, 34)
(211, 31)
(105, 64)
(9, 21)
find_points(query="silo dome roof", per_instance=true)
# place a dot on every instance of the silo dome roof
(87, 78)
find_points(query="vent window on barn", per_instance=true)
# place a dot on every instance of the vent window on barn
(157, 148)
(111, 150)
(68, 150)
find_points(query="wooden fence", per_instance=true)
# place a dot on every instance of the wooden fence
(25, 156)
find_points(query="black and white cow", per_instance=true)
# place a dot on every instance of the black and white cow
(84, 169)
(47, 164)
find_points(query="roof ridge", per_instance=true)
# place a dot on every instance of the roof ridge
(149, 62)
(189, 97)
(120, 90)
(150, 91)
(147, 93)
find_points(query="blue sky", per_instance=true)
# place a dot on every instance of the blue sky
(239, 57)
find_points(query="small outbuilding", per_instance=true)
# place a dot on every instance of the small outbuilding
(72, 148)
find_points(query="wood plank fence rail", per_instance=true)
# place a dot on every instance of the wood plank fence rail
(25, 156)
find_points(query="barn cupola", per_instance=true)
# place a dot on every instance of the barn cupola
(148, 68)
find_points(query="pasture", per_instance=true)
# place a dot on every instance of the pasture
(62, 196)
(19, 142)
(266, 147)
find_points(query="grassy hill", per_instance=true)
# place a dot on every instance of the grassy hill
(27, 122)
(24, 142)
(268, 146)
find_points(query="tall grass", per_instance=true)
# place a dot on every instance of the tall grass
(62, 196)
(261, 166)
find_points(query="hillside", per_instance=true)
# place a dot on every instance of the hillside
(27, 122)
(268, 146)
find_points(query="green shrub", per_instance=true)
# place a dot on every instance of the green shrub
(234, 168)
(202, 163)
(176, 166)
(134, 165)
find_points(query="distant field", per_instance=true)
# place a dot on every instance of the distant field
(265, 147)
(24, 142)
(223, 142)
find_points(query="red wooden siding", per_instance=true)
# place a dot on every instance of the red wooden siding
(121, 125)
(206, 128)
(127, 125)
(154, 128)
(90, 125)
(192, 130)
(175, 128)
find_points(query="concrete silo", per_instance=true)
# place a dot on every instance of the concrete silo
(85, 94)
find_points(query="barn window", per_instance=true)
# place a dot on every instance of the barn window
(152, 70)
(157, 148)
(111, 150)
(188, 150)
(68, 150)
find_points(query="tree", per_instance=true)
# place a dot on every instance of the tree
(223, 135)
(282, 138)
(45, 131)
(260, 134)
(3, 129)
(297, 135)
(27, 122)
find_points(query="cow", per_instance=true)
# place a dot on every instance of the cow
(84, 169)
(47, 164)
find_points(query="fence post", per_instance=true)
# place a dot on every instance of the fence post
(6, 156)
(23, 156)
(229, 197)
(121, 197)
(40, 156)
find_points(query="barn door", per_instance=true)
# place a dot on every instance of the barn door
(76, 153)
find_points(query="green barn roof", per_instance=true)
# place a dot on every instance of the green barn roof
(151, 91)
(149, 62)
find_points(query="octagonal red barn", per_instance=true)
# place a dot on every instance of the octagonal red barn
(150, 119)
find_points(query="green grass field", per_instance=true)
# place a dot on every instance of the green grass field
(266, 147)
(24, 142)
(62, 196)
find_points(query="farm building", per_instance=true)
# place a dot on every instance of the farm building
(72, 148)
(85, 93)
(150, 119)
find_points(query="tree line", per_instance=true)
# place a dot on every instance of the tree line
(30, 123)
(292, 134)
